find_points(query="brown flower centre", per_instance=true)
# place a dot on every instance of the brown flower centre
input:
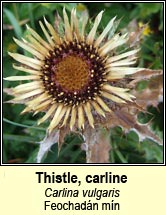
(72, 73)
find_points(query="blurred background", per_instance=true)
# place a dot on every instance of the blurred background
(21, 133)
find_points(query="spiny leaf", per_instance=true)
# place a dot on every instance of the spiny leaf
(144, 74)
(152, 94)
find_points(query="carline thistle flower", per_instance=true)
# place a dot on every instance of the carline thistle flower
(75, 77)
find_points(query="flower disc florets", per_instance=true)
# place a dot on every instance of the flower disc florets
(73, 73)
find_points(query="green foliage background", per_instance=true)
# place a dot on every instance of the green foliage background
(20, 133)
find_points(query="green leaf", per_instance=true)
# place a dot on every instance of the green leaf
(14, 22)
(32, 157)
(19, 138)
(21, 125)
(52, 155)
(148, 9)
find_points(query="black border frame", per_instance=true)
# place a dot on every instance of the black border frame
(93, 164)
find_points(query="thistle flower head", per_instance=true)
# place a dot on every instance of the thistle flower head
(74, 77)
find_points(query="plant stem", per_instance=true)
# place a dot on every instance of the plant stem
(97, 145)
